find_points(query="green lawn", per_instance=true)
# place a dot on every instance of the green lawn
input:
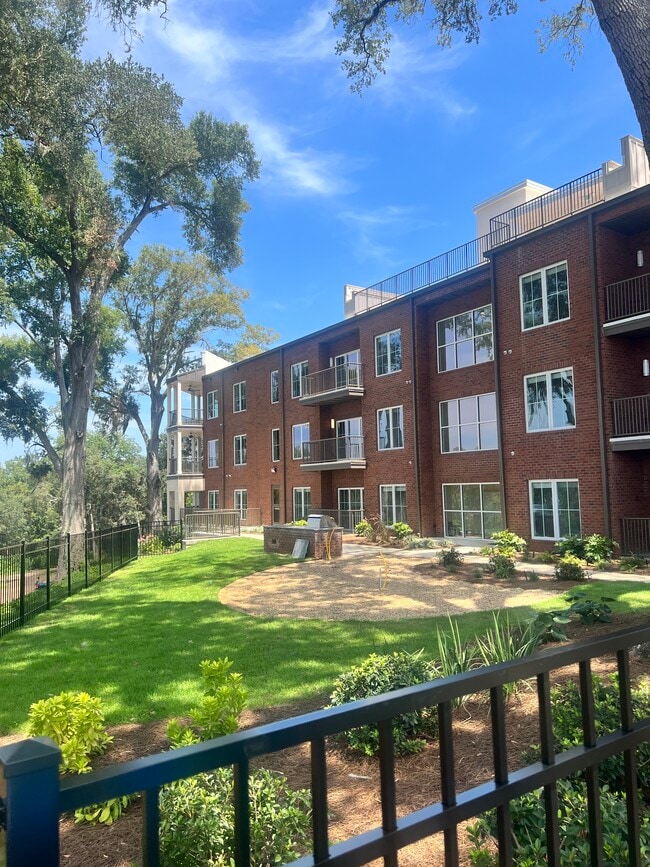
(137, 638)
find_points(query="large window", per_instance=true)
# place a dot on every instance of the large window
(544, 296)
(213, 404)
(549, 400)
(388, 352)
(390, 428)
(350, 507)
(555, 509)
(465, 339)
(213, 454)
(392, 500)
(275, 386)
(472, 510)
(301, 503)
(239, 397)
(298, 372)
(241, 502)
(300, 440)
(468, 424)
(213, 499)
(275, 444)
(240, 449)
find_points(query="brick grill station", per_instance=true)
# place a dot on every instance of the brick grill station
(281, 540)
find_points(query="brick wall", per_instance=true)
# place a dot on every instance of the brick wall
(281, 540)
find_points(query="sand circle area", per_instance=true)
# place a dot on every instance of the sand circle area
(376, 586)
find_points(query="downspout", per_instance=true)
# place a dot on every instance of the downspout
(497, 389)
(416, 436)
(600, 404)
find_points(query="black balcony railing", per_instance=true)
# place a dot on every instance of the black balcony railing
(34, 795)
(631, 416)
(635, 536)
(339, 378)
(349, 448)
(186, 417)
(628, 298)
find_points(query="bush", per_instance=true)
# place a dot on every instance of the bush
(501, 565)
(455, 655)
(363, 528)
(631, 564)
(589, 610)
(451, 559)
(574, 545)
(301, 522)
(421, 542)
(402, 530)
(503, 642)
(379, 674)
(547, 557)
(197, 820)
(570, 568)
(509, 543)
(599, 548)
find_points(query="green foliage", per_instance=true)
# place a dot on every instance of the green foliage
(197, 820)
(363, 528)
(103, 814)
(589, 610)
(551, 625)
(506, 542)
(546, 557)
(529, 830)
(599, 548)
(570, 568)
(450, 559)
(574, 545)
(402, 530)
(455, 654)
(301, 522)
(504, 641)
(379, 674)
(115, 480)
(421, 542)
(501, 565)
(30, 502)
(631, 564)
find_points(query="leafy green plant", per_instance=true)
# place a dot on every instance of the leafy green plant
(599, 548)
(363, 528)
(421, 542)
(546, 557)
(501, 565)
(574, 545)
(301, 522)
(589, 610)
(504, 641)
(197, 820)
(455, 655)
(382, 673)
(531, 575)
(450, 559)
(508, 542)
(570, 568)
(631, 564)
(401, 530)
(551, 626)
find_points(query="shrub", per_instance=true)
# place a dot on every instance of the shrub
(150, 545)
(503, 641)
(421, 542)
(455, 655)
(451, 559)
(379, 674)
(197, 820)
(570, 568)
(599, 548)
(501, 565)
(589, 610)
(574, 545)
(301, 522)
(631, 564)
(551, 626)
(363, 528)
(546, 557)
(402, 530)
(509, 541)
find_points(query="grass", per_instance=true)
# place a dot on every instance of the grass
(137, 638)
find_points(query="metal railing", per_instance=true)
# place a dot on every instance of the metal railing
(186, 417)
(188, 466)
(337, 449)
(631, 416)
(336, 378)
(564, 201)
(346, 518)
(635, 536)
(212, 522)
(628, 298)
(34, 794)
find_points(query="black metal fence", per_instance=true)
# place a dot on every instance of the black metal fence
(34, 795)
(635, 536)
(34, 576)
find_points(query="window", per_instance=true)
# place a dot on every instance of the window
(213, 454)
(465, 339)
(388, 352)
(301, 503)
(350, 507)
(390, 428)
(298, 373)
(300, 440)
(213, 499)
(549, 400)
(241, 502)
(275, 444)
(472, 510)
(213, 404)
(239, 397)
(240, 450)
(544, 296)
(348, 369)
(349, 438)
(468, 424)
(275, 386)
(392, 499)
(554, 509)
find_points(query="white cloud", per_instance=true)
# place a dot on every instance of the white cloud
(376, 231)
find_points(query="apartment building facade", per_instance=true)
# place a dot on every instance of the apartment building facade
(503, 383)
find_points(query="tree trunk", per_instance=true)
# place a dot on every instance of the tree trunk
(154, 502)
(626, 25)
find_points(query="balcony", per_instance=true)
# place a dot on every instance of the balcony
(332, 385)
(631, 417)
(187, 418)
(340, 453)
(188, 467)
(628, 306)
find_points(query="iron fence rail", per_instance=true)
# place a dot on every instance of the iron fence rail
(628, 298)
(213, 522)
(635, 536)
(29, 764)
(631, 416)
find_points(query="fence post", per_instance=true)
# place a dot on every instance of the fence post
(100, 555)
(181, 524)
(29, 787)
(21, 613)
(69, 552)
(112, 544)
(47, 573)
(86, 557)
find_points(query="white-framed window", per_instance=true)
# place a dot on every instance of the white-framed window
(239, 396)
(390, 428)
(240, 502)
(392, 501)
(239, 449)
(213, 499)
(472, 509)
(550, 401)
(544, 296)
(388, 352)
(275, 444)
(300, 441)
(554, 508)
(298, 372)
(465, 339)
(301, 503)
(213, 454)
(468, 424)
(275, 386)
(213, 404)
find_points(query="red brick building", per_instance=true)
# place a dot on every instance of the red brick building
(503, 383)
